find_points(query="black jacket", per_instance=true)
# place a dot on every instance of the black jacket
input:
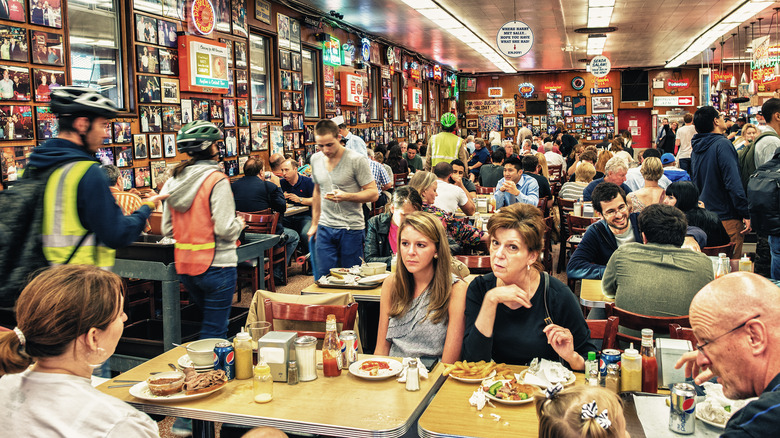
(377, 246)
(715, 171)
(592, 254)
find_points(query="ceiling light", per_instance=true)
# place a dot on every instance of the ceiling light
(421, 4)
(596, 44)
(600, 3)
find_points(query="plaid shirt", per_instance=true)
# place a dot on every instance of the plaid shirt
(380, 174)
(129, 203)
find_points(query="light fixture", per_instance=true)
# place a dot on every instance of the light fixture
(596, 44)
(733, 82)
(742, 79)
(709, 36)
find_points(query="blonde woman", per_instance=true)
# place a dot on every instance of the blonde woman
(544, 171)
(652, 170)
(422, 307)
(574, 189)
(749, 133)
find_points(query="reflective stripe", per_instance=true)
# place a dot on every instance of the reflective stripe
(193, 246)
(442, 150)
(60, 241)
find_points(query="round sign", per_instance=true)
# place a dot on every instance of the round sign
(578, 83)
(203, 16)
(526, 89)
(366, 49)
(600, 66)
(390, 56)
(515, 39)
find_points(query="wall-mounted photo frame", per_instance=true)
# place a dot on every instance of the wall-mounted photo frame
(124, 156)
(158, 171)
(242, 112)
(171, 118)
(45, 13)
(105, 156)
(16, 37)
(140, 148)
(284, 60)
(169, 62)
(126, 175)
(601, 104)
(295, 61)
(14, 83)
(146, 29)
(149, 89)
(169, 140)
(242, 86)
(155, 146)
(263, 11)
(240, 52)
(46, 81)
(231, 143)
(509, 122)
(147, 59)
(153, 6)
(13, 10)
(46, 48)
(122, 132)
(259, 134)
(244, 147)
(186, 111)
(229, 112)
(239, 18)
(150, 118)
(46, 123)
(471, 123)
(143, 177)
(166, 33)
(170, 90)
(222, 15)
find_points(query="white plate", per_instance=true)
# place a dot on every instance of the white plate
(509, 402)
(711, 423)
(395, 368)
(141, 390)
(569, 382)
(374, 278)
(477, 380)
(185, 362)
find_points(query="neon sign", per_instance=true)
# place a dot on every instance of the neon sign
(526, 89)
(331, 53)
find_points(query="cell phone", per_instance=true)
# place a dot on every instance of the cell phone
(429, 362)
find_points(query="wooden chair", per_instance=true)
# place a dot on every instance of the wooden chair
(606, 330)
(555, 172)
(262, 222)
(543, 206)
(635, 321)
(678, 332)
(476, 264)
(715, 250)
(547, 255)
(310, 312)
(565, 206)
(576, 226)
(400, 179)
(485, 190)
(377, 210)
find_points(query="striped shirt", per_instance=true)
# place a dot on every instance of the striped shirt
(129, 203)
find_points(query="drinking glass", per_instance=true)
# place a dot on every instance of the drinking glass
(257, 330)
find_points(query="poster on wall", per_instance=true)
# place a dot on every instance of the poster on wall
(415, 99)
(239, 18)
(579, 105)
(283, 30)
(351, 89)
(295, 35)
(263, 11)
(203, 65)
(490, 122)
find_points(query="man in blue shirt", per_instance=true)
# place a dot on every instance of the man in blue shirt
(478, 158)
(515, 186)
(353, 141)
(298, 190)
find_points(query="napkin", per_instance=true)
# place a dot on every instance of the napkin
(653, 414)
(545, 373)
(420, 369)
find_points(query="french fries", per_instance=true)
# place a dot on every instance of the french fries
(477, 370)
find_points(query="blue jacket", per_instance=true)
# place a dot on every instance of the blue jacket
(98, 211)
(592, 254)
(715, 171)
(588, 192)
(674, 174)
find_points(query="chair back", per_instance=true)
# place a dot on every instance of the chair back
(155, 222)
(310, 312)
(476, 264)
(578, 224)
(547, 258)
(604, 329)
(678, 332)
(261, 223)
(542, 205)
(715, 250)
(399, 179)
(485, 190)
(555, 172)
(635, 321)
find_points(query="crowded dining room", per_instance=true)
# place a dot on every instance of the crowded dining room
(232, 218)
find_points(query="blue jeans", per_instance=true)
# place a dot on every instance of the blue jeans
(337, 248)
(301, 224)
(685, 164)
(774, 247)
(292, 243)
(212, 291)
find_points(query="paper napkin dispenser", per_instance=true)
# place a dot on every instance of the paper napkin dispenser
(667, 352)
(276, 348)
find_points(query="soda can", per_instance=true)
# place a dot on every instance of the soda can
(225, 359)
(349, 348)
(608, 356)
(682, 407)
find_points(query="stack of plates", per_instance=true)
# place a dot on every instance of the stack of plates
(185, 362)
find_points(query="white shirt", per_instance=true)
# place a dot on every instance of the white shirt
(34, 404)
(635, 180)
(685, 134)
(449, 196)
(554, 159)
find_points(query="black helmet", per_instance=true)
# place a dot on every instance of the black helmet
(197, 136)
(81, 102)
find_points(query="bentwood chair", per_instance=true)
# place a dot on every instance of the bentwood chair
(715, 250)
(345, 314)
(678, 332)
(400, 179)
(476, 264)
(555, 172)
(565, 206)
(635, 321)
(606, 330)
(481, 190)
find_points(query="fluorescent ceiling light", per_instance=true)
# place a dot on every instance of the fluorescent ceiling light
(435, 14)
(596, 44)
(600, 16)
(600, 3)
(594, 22)
(420, 4)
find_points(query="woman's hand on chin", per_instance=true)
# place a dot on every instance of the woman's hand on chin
(511, 296)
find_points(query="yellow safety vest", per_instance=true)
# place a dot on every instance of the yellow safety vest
(444, 147)
(62, 229)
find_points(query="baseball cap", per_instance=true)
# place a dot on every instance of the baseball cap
(448, 119)
(667, 158)
(338, 120)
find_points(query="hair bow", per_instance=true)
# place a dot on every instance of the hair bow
(590, 411)
(552, 391)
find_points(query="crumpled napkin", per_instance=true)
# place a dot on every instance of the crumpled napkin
(545, 373)
(420, 369)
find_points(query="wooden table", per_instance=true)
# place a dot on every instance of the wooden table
(359, 294)
(292, 210)
(345, 406)
(592, 296)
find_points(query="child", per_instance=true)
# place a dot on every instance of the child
(580, 411)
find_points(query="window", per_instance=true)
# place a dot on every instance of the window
(376, 95)
(95, 47)
(311, 95)
(397, 98)
(258, 75)
(424, 87)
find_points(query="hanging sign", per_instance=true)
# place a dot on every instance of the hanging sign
(515, 39)
(351, 89)
(202, 16)
(202, 65)
(678, 83)
(437, 72)
(415, 99)
(331, 51)
(578, 83)
(722, 76)
(552, 88)
(365, 50)
(414, 70)
(600, 66)
(390, 56)
(348, 52)
(526, 89)
(672, 100)
(601, 90)
(495, 92)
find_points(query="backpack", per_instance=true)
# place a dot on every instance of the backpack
(747, 158)
(21, 245)
(763, 193)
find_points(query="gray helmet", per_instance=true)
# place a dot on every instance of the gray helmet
(197, 136)
(81, 102)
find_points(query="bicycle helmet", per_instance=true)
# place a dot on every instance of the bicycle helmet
(81, 102)
(448, 119)
(197, 136)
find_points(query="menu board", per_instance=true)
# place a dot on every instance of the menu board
(203, 65)
(351, 89)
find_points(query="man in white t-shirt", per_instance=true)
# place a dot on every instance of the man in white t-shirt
(683, 143)
(451, 196)
(553, 159)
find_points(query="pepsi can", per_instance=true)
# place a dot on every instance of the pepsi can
(349, 348)
(608, 357)
(682, 407)
(225, 359)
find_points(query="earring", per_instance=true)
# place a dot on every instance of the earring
(436, 256)
(528, 268)
(96, 357)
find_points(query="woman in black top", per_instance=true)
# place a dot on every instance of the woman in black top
(396, 161)
(685, 196)
(507, 311)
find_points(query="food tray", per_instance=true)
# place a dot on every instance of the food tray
(349, 286)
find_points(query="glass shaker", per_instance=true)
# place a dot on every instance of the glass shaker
(412, 376)
(305, 354)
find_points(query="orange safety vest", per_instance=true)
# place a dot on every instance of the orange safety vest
(195, 246)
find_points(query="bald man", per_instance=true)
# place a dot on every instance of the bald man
(736, 319)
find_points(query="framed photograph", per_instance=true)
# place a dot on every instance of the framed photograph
(284, 60)
(105, 156)
(229, 46)
(122, 132)
(149, 89)
(147, 60)
(231, 92)
(286, 101)
(259, 136)
(166, 33)
(169, 142)
(124, 156)
(15, 83)
(145, 29)
(45, 81)
(16, 38)
(509, 122)
(158, 171)
(171, 118)
(46, 123)
(222, 15)
(295, 35)
(217, 112)
(231, 143)
(170, 90)
(297, 81)
(601, 104)
(239, 18)
(174, 8)
(297, 101)
(140, 147)
(186, 111)
(295, 61)
(127, 176)
(240, 52)
(45, 13)
(286, 80)
(244, 147)
(200, 109)
(229, 108)
(143, 177)
(242, 86)
(283, 30)
(46, 48)
(150, 118)
(155, 146)
(263, 11)
(169, 62)
(242, 113)
(471, 123)
(108, 136)
(13, 10)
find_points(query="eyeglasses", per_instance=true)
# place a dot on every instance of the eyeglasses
(621, 209)
(701, 347)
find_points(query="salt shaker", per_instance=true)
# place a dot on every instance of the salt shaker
(292, 373)
(412, 376)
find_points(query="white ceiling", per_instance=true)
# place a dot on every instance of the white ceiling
(649, 33)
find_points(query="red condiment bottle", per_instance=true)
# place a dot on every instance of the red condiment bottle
(331, 350)
(649, 364)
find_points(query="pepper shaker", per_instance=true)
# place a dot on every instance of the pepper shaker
(292, 373)
(412, 376)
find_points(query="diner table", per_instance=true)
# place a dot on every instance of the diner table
(344, 406)
(292, 210)
(592, 296)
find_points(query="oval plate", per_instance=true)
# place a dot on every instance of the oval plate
(141, 390)
(472, 380)
(185, 362)
(569, 382)
(710, 423)
(395, 368)
(510, 402)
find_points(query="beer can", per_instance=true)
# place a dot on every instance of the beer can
(349, 348)
(682, 407)
(608, 356)
(225, 359)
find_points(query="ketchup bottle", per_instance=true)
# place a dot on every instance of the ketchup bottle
(331, 351)
(649, 364)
